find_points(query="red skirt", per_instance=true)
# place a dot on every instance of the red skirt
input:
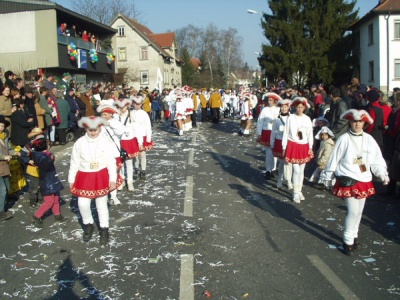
(277, 151)
(265, 139)
(146, 145)
(131, 147)
(298, 153)
(359, 191)
(91, 184)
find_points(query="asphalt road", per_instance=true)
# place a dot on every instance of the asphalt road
(205, 224)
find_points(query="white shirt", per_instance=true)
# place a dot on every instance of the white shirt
(266, 118)
(297, 124)
(87, 151)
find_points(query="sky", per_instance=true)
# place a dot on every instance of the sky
(168, 15)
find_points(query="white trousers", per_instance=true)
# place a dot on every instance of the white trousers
(352, 221)
(101, 207)
(270, 160)
(141, 161)
(298, 176)
(129, 170)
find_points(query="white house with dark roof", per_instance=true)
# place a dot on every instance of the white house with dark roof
(144, 58)
(377, 44)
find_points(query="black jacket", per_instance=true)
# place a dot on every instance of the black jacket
(20, 127)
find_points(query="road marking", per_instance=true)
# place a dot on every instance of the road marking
(191, 157)
(188, 204)
(215, 152)
(186, 290)
(337, 283)
(256, 196)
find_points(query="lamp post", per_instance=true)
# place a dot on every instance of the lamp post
(252, 11)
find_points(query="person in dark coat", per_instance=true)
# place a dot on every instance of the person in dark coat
(64, 111)
(338, 107)
(30, 104)
(21, 124)
(50, 184)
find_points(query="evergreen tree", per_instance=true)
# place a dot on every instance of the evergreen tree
(188, 69)
(302, 35)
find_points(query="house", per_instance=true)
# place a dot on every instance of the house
(144, 58)
(377, 44)
(30, 41)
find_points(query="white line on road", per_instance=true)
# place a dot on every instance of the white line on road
(186, 290)
(191, 157)
(188, 204)
(338, 284)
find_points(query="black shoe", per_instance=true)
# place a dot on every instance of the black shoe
(348, 249)
(268, 175)
(104, 236)
(357, 244)
(59, 218)
(5, 215)
(135, 175)
(38, 222)
(142, 175)
(87, 234)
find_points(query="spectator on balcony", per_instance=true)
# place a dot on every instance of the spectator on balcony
(72, 31)
(62, 29)
(85, 36)
(93, 39)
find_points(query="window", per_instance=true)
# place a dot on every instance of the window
(144, 77)
(397, 68)
(396, 29)
(143, 53)
(121, 54)
(121, 31)
(371, 71)
(370, 34)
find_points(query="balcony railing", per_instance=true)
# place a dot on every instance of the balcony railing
(81, 44)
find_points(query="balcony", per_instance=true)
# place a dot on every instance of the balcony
(81, 44)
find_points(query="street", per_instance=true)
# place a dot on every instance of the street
(205, 224)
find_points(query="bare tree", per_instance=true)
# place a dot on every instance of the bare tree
(189, 37)
(230, 45)
(104, 11)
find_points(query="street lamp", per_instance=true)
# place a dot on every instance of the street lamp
(252, 11)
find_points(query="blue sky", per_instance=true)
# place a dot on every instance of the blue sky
(168, 15)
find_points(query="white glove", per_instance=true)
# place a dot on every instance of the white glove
(386, 180)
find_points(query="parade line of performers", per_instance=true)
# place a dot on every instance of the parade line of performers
(112, 153)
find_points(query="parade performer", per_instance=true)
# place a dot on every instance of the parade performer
(142, 119)
(113, 131)
(178, 112)
(215, 103)
(188, 101)
(245, 114)
(355, 158)
(131, 140)
(297, 142)
(264, 126)
(278, 127)
(92, 175)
